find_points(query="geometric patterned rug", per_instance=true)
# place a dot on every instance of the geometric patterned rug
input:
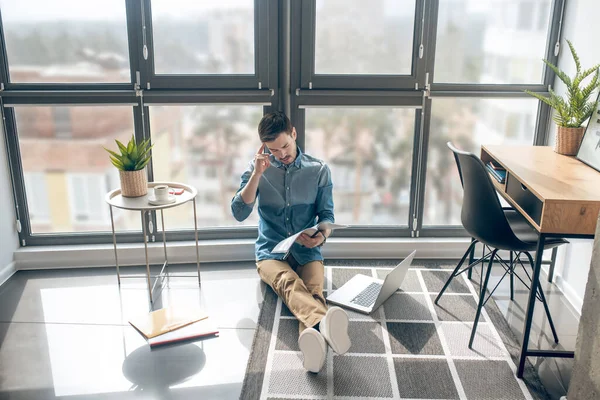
(408, 348)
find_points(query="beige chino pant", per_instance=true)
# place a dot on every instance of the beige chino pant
(299, 286)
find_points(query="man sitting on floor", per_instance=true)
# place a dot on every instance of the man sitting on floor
(294, 191)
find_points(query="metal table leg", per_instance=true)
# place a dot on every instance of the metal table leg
(165, 265)
(535, 277)
(112, 224)
(164, 235)
(197, 250)
(146, 251)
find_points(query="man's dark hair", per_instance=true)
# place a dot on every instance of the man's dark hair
(271, 125)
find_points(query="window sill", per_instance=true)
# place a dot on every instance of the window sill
(102, 255)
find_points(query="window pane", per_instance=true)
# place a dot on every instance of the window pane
(64, 41)
(468, 123)
(66, 178)
(360, 37)
(491, 41)
(203, 37)
(209, 148)
(369, 152)
(37, 191)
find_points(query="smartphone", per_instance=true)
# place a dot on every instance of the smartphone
(267, 151)
(315, 234)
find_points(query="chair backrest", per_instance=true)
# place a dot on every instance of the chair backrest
(482, 215)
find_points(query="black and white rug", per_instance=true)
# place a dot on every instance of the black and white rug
(409, 348)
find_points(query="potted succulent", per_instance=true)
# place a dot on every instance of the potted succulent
(131, 164)
(575, 108)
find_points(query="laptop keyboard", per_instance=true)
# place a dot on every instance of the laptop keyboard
(367, 297)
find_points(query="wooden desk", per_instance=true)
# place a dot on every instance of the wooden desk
(558, 195)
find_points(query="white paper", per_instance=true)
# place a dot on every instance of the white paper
(286, 244)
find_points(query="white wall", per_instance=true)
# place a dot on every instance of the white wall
(9, 240)
(581, 27)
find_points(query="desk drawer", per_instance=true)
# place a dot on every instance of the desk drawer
(524, 198)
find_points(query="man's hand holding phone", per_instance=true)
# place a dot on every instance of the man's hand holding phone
(261, 161)
(310, 241)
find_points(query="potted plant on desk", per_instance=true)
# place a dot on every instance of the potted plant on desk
(131, 164)
(575, 108)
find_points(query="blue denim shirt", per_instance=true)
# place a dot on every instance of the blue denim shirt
(290, 198)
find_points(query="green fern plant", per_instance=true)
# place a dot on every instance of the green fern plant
(133, 157)
(573, 110)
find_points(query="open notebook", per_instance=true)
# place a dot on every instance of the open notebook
(197, 330)
(166, 320)
(286, 244)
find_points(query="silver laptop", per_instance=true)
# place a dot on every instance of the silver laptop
(365, 294)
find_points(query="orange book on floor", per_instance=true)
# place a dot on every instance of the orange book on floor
(166, 320)
(197, 330)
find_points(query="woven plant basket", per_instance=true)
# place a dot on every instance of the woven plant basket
(568, 140)
(134, 183)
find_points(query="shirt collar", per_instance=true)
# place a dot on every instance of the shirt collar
(297, 162)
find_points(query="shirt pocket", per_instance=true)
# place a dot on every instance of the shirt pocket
(304, 190)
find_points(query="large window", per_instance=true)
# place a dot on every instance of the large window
(208, 147)
(374, 88)
(66, 178)
(203, 37)
(65, 41)
(369, 152)
(359, 37)
(468, 123)
(491, 41)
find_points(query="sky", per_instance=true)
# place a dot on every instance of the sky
(392, 7)
(52, 10)
(44, 10)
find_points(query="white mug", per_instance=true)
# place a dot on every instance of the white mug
(161, 192)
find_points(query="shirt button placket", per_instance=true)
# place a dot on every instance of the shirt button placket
(287, 201)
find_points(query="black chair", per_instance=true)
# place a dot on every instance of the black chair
(488, 223)
(485, 255)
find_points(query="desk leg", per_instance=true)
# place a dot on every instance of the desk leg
(147, 261)
(552, 263)
(535, 278)
(112, 224)
(197, 250)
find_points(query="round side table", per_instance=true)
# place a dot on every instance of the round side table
(141, 204)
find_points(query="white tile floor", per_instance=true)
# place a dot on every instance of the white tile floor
(64, 334)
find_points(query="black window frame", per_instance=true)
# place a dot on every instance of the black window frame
(138, 96)
(283, 30)
(265, 26)
(540, 138)
(309, 79)
(96, 86)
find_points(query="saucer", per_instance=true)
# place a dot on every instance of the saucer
(152, 200)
